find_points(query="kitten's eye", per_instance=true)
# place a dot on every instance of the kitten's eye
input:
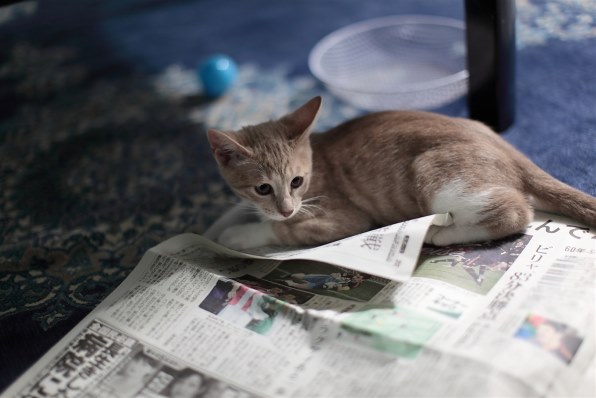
(263, 189)
(296, 182)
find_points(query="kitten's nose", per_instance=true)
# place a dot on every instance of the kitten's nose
(286, 213)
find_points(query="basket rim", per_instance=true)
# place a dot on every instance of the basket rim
(340, 34)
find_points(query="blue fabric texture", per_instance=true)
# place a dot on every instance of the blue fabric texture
(102, 128)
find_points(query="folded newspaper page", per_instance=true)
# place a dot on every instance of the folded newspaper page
(390, 252)
(514, 317)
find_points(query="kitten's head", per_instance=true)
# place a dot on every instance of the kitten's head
(270, 164)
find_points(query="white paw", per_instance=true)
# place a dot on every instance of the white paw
(455, 234)
(246, 236)
(441, 237)
(432, 231)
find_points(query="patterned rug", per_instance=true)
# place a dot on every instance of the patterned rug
(102, 129)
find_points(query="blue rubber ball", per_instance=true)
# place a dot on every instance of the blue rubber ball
(217, 73)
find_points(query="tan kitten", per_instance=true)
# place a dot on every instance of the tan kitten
(381, 169)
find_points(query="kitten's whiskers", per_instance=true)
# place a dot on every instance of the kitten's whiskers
(310, 209)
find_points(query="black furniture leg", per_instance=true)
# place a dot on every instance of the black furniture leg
(490, 40)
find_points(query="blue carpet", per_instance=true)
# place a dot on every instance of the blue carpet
(102, 147)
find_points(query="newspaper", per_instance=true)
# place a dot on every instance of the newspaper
(374, 315)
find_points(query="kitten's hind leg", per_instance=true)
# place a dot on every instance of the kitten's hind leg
(480, 216)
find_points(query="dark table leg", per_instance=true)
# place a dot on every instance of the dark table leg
(490, 40)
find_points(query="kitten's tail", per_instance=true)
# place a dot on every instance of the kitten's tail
(554, 196)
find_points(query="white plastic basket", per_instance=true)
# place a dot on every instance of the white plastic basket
(397, 62)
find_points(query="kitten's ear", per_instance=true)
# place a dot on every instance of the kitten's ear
(225, 148)
(302, 120)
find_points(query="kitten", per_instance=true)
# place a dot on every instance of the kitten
(381, 169)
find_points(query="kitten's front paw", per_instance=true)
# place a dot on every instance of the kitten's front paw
(456, 234)
(246, 236)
